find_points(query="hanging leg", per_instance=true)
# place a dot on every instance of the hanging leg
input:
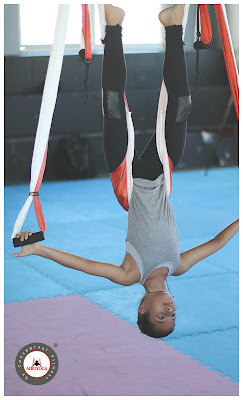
(115, 131)
(115, 136)
(148, 165)
(176, 82)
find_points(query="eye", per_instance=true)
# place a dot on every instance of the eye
(161, 316)
(173, 314)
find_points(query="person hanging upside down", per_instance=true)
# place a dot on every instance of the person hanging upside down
(152, 246)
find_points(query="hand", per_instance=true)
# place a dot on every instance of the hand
(29, 249)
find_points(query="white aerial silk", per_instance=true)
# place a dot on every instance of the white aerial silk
(160, 136)
(130, 153)
(47, 108)
(230, 39)
(102, 20)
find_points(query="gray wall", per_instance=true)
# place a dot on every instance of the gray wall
(75, 146)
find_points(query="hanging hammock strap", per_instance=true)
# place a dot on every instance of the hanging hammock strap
(229, 56)
(43, 130)
(203, 39)
(85, 51)
(85, 97)
(196, 47)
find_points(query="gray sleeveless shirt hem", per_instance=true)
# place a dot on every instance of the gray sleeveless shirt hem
(130, 249)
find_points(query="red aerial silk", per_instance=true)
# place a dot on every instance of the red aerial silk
(206, 29)
(126, 103)
(119, 178)
(228, 55)
(86, 31)
(37, 204)
(119, 183)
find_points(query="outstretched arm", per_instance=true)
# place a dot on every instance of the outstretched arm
(193, 256)
(114, 273)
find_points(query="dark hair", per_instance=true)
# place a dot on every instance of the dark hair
(148, 328)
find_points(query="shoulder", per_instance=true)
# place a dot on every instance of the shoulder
(131, 273)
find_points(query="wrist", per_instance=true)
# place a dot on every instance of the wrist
(37, 249)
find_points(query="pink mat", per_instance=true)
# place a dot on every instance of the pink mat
(101, 355)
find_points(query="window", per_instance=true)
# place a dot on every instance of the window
(140, 27)
(142, 30)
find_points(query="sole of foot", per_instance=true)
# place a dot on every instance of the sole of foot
(113, 15)
(172, 15)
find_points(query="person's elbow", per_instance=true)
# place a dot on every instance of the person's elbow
(125, 278)
(119, 276)
(219, 242)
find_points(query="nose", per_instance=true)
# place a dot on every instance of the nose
(169, 308)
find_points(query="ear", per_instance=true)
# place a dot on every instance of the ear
(143, 309)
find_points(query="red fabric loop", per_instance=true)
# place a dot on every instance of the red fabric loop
(119, 183)
(126, 103)
(206, 29)
(39, 214)
(229, 57)
(86, 31)
(37, 204)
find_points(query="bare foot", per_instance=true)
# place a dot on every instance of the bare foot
(172, 15)
(113, 15)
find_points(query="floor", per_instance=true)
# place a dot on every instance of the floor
(83, 217)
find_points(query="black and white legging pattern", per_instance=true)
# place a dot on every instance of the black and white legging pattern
(115, 136)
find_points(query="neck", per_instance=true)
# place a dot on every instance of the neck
(155, 285)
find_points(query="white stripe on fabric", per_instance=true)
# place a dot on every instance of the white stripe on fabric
(82, 42)
(160, 136)
(130, 154)
(101, 9)
(230, 40)
(47, 108)
(185, 18)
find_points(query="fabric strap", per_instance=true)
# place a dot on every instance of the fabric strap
(45, 118)
(205, 25)
(229, 55)
(86, 32)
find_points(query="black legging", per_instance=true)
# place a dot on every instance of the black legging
(115, 136)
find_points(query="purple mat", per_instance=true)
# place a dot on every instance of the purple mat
(101, 355)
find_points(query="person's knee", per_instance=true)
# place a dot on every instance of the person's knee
(113, 104)
(184, 108)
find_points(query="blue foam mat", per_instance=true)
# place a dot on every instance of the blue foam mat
(84, 217)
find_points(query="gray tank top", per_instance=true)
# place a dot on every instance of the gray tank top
(152, 235)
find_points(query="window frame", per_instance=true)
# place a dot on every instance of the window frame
(73, 49)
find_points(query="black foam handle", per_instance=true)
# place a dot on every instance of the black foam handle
(199, 45)
(35, 237)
